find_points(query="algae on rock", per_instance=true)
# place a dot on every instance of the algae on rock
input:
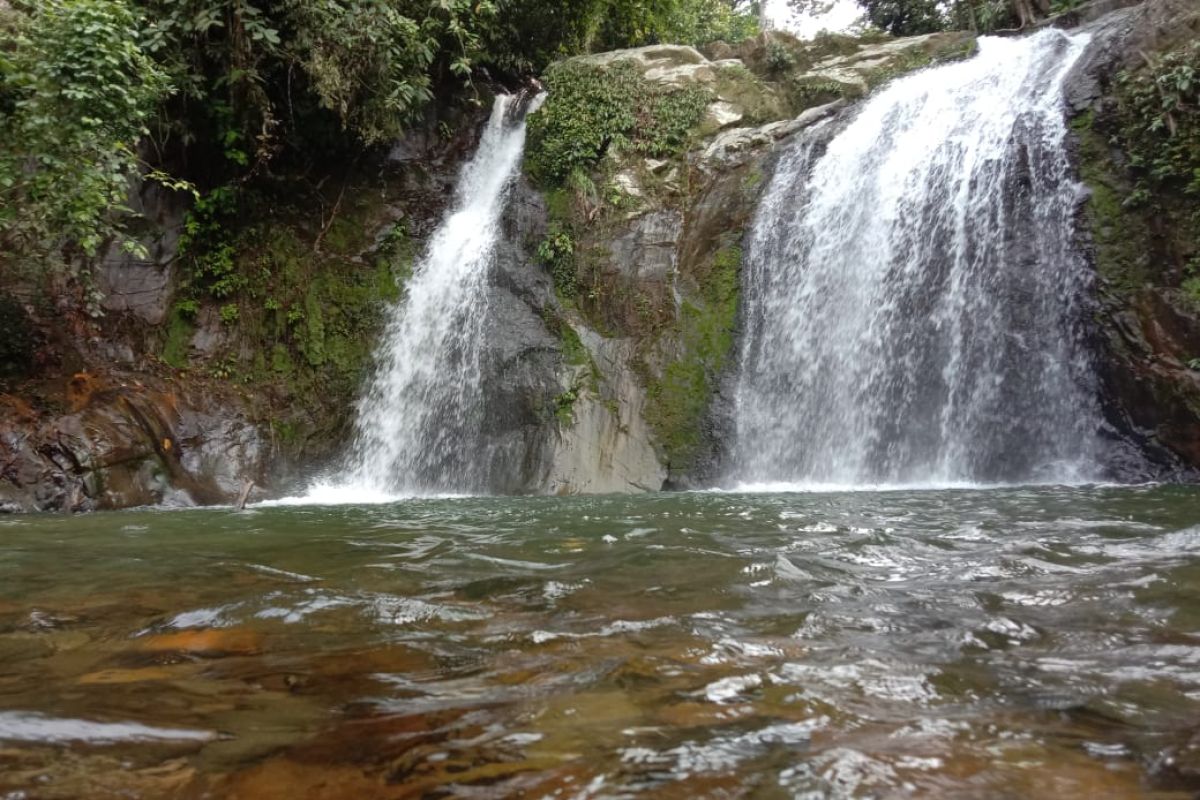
(1137, 132)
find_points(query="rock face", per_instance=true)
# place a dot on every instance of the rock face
(125, 444)
(604, 446)
(521, 358)
(609, 392)
(1148, 327)
(614, 380)
(653, 292)
(144, 287)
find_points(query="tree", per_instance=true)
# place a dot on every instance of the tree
(904, 17)
(77, 91)
(915, 17)
(219, 89)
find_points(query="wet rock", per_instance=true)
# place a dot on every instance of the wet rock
(209, 642)
(143, 286)
(607, 447)
(17, 341)
(735, 147)
(126, 445)
(646, 251)
(519, 361)
(863, 67)
(1147, 330)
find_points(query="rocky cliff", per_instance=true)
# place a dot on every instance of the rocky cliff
(1136, 120)
(233, 353)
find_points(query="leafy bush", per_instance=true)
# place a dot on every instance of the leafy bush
(76, 93)
(1159, 112)
(221, 88)
(1160, 116)
(557, 253)
(595, 108)
(779, 58)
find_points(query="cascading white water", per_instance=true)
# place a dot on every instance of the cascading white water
(418, 428)
(913, 303)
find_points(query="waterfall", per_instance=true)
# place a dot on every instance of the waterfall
(419, 424)
(914, 308)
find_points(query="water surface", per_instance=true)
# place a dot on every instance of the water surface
(1001, 643)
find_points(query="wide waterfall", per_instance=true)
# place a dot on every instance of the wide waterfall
(914, 306)
(418, 427)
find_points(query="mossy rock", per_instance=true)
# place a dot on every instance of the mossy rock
(678, 401)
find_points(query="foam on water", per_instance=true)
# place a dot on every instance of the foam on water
(21, 726)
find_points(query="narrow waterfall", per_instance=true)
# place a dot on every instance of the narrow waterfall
(914, 307)
(418, 428)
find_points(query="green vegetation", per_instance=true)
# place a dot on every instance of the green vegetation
(564, 406)
(679, 401)
(1145, 213)
(96, 94)
(307, 312)
(597, 108)
(77, 92)
(917, 17)
(557, 253)
(1121, 250)
(1160, 121)
(180, 329)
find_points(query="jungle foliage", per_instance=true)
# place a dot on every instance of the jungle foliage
(95, 94)
(917, 17)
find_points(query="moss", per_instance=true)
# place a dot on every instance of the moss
(573, 350)
(679, 401)
(349, 233)
(286, 432)
(1157, 124)
(753, 180)
(394, 262)
(180, 330)
(281, 360)
(564, 406)
(1122, 240)
(312, 340)
(310, 298)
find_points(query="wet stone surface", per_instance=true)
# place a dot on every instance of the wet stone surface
(1021, 643)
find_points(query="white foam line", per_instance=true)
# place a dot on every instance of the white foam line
(24, 726)
(331, 495)
(783, 487)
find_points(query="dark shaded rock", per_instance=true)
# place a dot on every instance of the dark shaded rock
(17, 341)
(143, 286)
(521, 357)
(128, 445)
(1147, 330)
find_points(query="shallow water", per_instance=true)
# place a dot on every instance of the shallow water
(1020, 643)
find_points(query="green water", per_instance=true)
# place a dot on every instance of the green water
(1001, 643)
